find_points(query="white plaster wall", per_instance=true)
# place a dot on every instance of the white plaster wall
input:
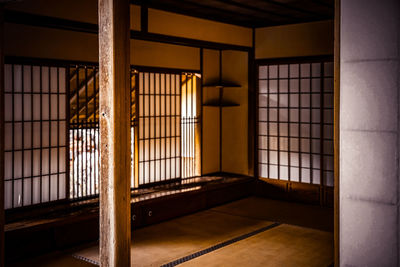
(369, 133)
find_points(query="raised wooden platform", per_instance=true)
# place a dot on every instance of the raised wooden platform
(71, 224)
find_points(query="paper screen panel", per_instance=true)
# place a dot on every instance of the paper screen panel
(33, 136)
(295, 122)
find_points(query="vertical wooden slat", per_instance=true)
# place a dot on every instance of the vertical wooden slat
(136, 135)
(336, 130)
(252, 159)
(221, 92)
(115, 162)
(1, 137)
(200, 105)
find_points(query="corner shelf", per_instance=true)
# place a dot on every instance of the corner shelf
(218, 101)
(222, 104)
(222, 84)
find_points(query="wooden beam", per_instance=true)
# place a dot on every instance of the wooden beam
(336, 131)
(1, 135)
(71, 25)
(252, 160)
(115, 155)
(144, 18)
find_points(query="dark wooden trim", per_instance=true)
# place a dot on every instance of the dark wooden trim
(47, 61)
(336, 134)
(1, 135)
(323, 3)
(262, 12)
(290, 7)
(65, 63)
(201, 109)
(288, 60)
(144, 18)
(252, 108)
(17, 17)
(67, 132)
(163, 70)
(220, 110)
(162, 38)
(71, 25)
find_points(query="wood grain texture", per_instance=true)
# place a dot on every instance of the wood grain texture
(1, 136)
(114, 132)
(336, 129)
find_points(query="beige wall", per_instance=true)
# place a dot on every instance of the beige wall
(164, 55)
(234, 119)
(37, 42)
(210, 114)
(190, 27)
(29, 41)
(305, 39)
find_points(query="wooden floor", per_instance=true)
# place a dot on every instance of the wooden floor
(249, 232)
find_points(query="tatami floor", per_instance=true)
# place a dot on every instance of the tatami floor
(249, 232)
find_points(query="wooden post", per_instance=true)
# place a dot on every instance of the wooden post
(1, 135)
(336, 131)
(115, 159)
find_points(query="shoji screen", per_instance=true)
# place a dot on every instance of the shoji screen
(159, 127)
(35, 134)
(295, 122)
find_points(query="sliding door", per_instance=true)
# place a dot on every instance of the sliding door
(295, 121)
(35, 134)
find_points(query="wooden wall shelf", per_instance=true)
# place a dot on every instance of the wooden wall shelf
(222, 104)
(224, 84)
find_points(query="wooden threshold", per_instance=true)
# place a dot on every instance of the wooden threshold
(294, 191)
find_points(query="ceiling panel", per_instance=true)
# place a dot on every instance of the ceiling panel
(249, 13)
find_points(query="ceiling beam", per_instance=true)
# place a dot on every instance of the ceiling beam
(325, 4)
(195, 9)
(290, 7)
(255, 9)
(65, 24)
(203, 4)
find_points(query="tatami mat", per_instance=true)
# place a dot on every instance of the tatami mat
(284, 245)
(310, 216)
(162, 243)
(242, 233)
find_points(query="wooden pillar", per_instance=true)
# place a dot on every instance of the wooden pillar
(114, 114)
(1, 135)
(336, 130)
